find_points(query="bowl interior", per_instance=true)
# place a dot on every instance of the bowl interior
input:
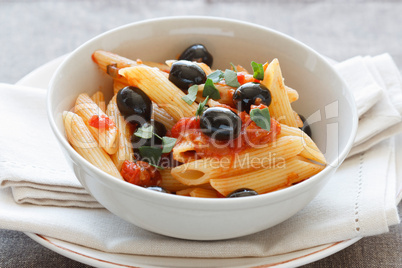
(324, 99)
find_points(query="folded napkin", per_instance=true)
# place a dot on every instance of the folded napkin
(360, 200)
(31, 163)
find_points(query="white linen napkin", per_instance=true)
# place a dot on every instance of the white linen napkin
(376, 85)
(31, 162)
(360, 200)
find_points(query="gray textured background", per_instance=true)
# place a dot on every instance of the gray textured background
(35, 32)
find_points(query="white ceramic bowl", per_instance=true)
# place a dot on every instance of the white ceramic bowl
(324, 98)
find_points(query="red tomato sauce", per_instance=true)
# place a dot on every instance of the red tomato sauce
(251, 135)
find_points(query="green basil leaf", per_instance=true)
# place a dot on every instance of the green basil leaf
(216, 76)
(192, 94)
(145, 132)
(231, 78)
(150, 154)
(233, 67)
(210, 90)
(168, 143)
(258, 70)
(262, 118)
(201, 107)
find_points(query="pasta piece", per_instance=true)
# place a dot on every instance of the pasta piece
(184, 151)
(99, 99)
(310, 149)
(106, 58)
(160, 90)
(163, 117)
(85, 144)
(124, 150)
(185, 192)
(262, 181)
(204, 193)
(225, 91)
(107, 138)
(119, 84)
(280, 107)
(299, 122)
(293, 95)
(171, 184)
(203, 170)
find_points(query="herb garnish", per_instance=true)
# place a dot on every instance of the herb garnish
(192, 94)
(201, 107)
(210, 90)
(231, 78)
(261, 117)
(216, 76)
(258, 70)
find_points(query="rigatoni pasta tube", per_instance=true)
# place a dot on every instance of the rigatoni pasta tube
(107, 138)
(262, 181)
(203, 170)
(85, 144)
(160, 90)
(280, 107)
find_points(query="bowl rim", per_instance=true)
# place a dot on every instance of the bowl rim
(200, 203)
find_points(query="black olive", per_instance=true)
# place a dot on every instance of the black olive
(197, 53)
(158, 189)
(251, 93)
(158, 128)
(134, 105)
(185, 73)
(242, 193)
(306, 127)
(220, 123)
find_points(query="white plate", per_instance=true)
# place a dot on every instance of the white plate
(40, 78)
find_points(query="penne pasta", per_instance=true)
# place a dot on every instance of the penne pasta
(107, 138)
(262, 181)
(171, 184)
(225, 91)
(293, 95)
(85, 144)
(184, 151)
(99, 99)
(310, 149)
(124, 150)
(203, 193)
(106, 58)
(119, 84)
(280, 107)
(163, 117)
(160, 90)
(203, 170)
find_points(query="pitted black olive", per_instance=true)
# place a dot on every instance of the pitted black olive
(220, 123)
(134, 105)
(158, 128)
(249, 94)
(158, 189)
(242, 193)
(185, 73)
(197, 52)
(306, 127)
